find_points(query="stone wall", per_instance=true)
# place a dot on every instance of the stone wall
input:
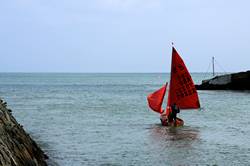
(235, 81)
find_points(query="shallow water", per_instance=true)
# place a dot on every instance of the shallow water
(103, 119)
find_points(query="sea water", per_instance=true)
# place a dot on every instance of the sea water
(103, 119)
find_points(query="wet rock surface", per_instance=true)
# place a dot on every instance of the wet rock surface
(16, 146)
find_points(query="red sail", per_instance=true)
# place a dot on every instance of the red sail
(155, 99)
(182, 90)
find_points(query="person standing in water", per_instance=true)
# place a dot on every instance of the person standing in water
(164, 119)
(174, 112)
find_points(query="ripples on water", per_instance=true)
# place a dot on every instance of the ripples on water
(103, 119)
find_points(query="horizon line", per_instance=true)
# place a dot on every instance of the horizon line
(57, 72)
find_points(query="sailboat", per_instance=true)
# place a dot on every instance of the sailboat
(181, 92)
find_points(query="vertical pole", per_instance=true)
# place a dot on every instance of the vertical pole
(213, 65)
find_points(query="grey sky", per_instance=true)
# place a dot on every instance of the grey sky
(122, 35)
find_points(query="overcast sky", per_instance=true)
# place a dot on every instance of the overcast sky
(123, 35)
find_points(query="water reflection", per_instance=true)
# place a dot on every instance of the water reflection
(177, 136)
(174, 145)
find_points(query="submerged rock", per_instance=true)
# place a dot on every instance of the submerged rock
(235, 81)
(16, 146)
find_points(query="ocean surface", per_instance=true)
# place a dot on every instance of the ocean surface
(103, 119)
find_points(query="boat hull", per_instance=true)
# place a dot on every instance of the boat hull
(179, 122)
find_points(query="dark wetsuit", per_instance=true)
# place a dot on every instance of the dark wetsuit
(174, 112)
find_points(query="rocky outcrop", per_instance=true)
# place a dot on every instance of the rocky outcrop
(235, 81)
(16, 146)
